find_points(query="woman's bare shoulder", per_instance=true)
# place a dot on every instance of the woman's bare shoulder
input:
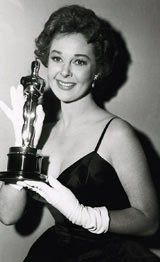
(122, 142)
(119, 135)
(120, 129)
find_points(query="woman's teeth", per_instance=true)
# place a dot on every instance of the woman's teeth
(66, 85)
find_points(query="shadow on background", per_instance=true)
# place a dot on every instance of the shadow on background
(31, 218)
(154, 164)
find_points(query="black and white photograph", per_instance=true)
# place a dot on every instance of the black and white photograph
(79, 132)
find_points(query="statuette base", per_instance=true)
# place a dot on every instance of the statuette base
(23, 163)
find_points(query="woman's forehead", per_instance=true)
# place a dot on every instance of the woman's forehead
(75, 42)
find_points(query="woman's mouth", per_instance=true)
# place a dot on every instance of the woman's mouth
(65, 85)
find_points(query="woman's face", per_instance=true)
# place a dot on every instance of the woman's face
(71, 67)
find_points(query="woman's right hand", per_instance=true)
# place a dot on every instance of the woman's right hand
(15, 114)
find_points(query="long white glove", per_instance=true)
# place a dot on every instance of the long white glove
(96, 219)
(15, 114)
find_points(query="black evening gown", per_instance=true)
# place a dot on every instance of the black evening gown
(95, 183)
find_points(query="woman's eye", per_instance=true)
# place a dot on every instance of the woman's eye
(80, 62)
(56, 58)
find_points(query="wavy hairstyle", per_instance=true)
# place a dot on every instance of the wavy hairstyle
(77, 19)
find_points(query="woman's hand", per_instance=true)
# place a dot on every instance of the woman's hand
(96, 220)
(55, 194)
(15, 114)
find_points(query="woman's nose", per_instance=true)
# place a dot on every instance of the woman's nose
(66, 70)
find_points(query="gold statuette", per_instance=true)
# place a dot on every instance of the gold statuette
(24, 162)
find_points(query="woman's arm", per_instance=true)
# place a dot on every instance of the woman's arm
(129, 161)
(12, 203)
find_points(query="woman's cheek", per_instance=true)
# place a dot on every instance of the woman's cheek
(85, 76)
(52, 71)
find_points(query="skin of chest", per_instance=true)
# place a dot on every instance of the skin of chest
(63, 150)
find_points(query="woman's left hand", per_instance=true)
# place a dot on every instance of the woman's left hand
(55, 194)
(96, 220)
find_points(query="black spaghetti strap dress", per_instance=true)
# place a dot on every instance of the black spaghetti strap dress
(95, 183)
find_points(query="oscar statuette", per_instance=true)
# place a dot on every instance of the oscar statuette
(23, 161)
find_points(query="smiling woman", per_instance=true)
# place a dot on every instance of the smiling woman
(71, 69)
(98, 177)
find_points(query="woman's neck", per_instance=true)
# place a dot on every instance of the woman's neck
(78, 111)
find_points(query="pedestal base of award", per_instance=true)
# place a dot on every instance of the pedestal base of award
(23, 163)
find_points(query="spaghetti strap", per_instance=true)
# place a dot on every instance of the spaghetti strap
(103, 132)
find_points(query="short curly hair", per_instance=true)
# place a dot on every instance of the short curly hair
(77, 19)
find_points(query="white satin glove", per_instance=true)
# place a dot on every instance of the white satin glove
(17, 187)
(96, 219)
(15, 114)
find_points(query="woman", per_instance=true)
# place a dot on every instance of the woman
(99, 191)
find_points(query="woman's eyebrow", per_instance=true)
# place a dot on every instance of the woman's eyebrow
(56, 51)
(75, 55)
(86, 56)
